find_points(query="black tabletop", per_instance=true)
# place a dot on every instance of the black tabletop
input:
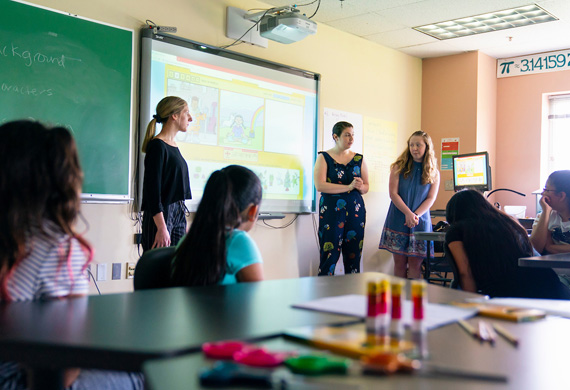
(559, 260)
(121, 331)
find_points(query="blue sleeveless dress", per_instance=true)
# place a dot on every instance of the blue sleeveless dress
(396, 236)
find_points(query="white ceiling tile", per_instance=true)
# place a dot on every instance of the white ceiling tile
(389, 22)
(401, 38)
(366, 24)
(434, 49)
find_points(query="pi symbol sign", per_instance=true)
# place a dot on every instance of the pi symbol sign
(506, 67)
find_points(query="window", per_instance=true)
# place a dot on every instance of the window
(559, 133)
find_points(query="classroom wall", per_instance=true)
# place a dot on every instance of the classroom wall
(357, 76)
(459, 101)
(520, 123)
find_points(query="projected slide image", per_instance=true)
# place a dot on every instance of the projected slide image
(241, 119)
(284, 127)
(280, 182)
(245, 111)
(203, 105)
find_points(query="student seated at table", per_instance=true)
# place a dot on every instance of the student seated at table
(41, 255)
(217, 248)
(551, 228)
(486, 244)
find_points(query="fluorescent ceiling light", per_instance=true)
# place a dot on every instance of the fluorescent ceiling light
(494, 21)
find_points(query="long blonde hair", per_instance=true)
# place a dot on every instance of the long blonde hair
(164, 110)
(405, 161)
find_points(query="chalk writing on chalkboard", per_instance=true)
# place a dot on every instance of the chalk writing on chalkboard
(77, 73)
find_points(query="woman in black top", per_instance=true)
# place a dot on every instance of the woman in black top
(486, 245)
(166, 182)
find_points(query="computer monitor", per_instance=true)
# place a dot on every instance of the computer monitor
(472, 171)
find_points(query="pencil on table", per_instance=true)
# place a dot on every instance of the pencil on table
(506, 334)
(490, 332)
(468, 328)
(483, 332)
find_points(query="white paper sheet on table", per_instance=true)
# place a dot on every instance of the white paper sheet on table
(557, 307)
(436, 315)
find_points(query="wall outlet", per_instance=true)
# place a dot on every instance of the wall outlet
(116, 274)
(448, 185)
(130, 270)
(101, 272)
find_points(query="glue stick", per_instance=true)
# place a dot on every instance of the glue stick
(372, 312)
(419, 303)
(397, 326)
(384, 307)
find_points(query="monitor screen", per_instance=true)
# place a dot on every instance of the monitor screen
(245, 111)
(472, 171)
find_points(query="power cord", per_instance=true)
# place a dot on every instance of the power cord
(281, 227)
(238, 41)
(316, 231)
(92, 277)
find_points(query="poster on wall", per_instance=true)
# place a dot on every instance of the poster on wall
(449, 148)
(332, 116)
(380, 151)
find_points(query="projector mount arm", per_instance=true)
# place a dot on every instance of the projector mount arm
(256, 16)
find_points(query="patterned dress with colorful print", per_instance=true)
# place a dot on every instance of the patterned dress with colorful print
(341, 219)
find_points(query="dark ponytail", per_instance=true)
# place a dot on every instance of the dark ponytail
(201, 258)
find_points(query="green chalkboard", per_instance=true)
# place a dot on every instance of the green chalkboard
(64, 70)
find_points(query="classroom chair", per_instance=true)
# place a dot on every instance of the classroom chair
(153, 269)
(456, 282)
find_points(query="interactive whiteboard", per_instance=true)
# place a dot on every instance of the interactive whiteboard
(245, 111)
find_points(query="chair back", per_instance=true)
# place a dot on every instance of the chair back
(456, 283)
(153, 268)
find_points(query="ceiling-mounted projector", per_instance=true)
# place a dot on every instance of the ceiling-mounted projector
(286, 27)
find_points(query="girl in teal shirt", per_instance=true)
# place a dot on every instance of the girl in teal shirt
(217, 248)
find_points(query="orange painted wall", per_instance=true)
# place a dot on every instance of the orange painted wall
(519, 122)
(462, 97)
(449, 106)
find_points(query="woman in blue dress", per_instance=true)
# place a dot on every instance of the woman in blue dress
(342, 178)
(413, 186)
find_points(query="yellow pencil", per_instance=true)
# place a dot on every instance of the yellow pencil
(468, 328)
(506, 334)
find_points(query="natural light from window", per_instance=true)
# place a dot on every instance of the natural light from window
(559, 133)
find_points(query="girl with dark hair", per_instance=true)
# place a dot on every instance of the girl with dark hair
(486, 244)
(166, 182)
(413, 187)
(341, 176)
(551, 228)
(217, 248)
(41, 254)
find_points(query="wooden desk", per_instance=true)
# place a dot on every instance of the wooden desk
(537, 363)
(122, 331)
(559, 260)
